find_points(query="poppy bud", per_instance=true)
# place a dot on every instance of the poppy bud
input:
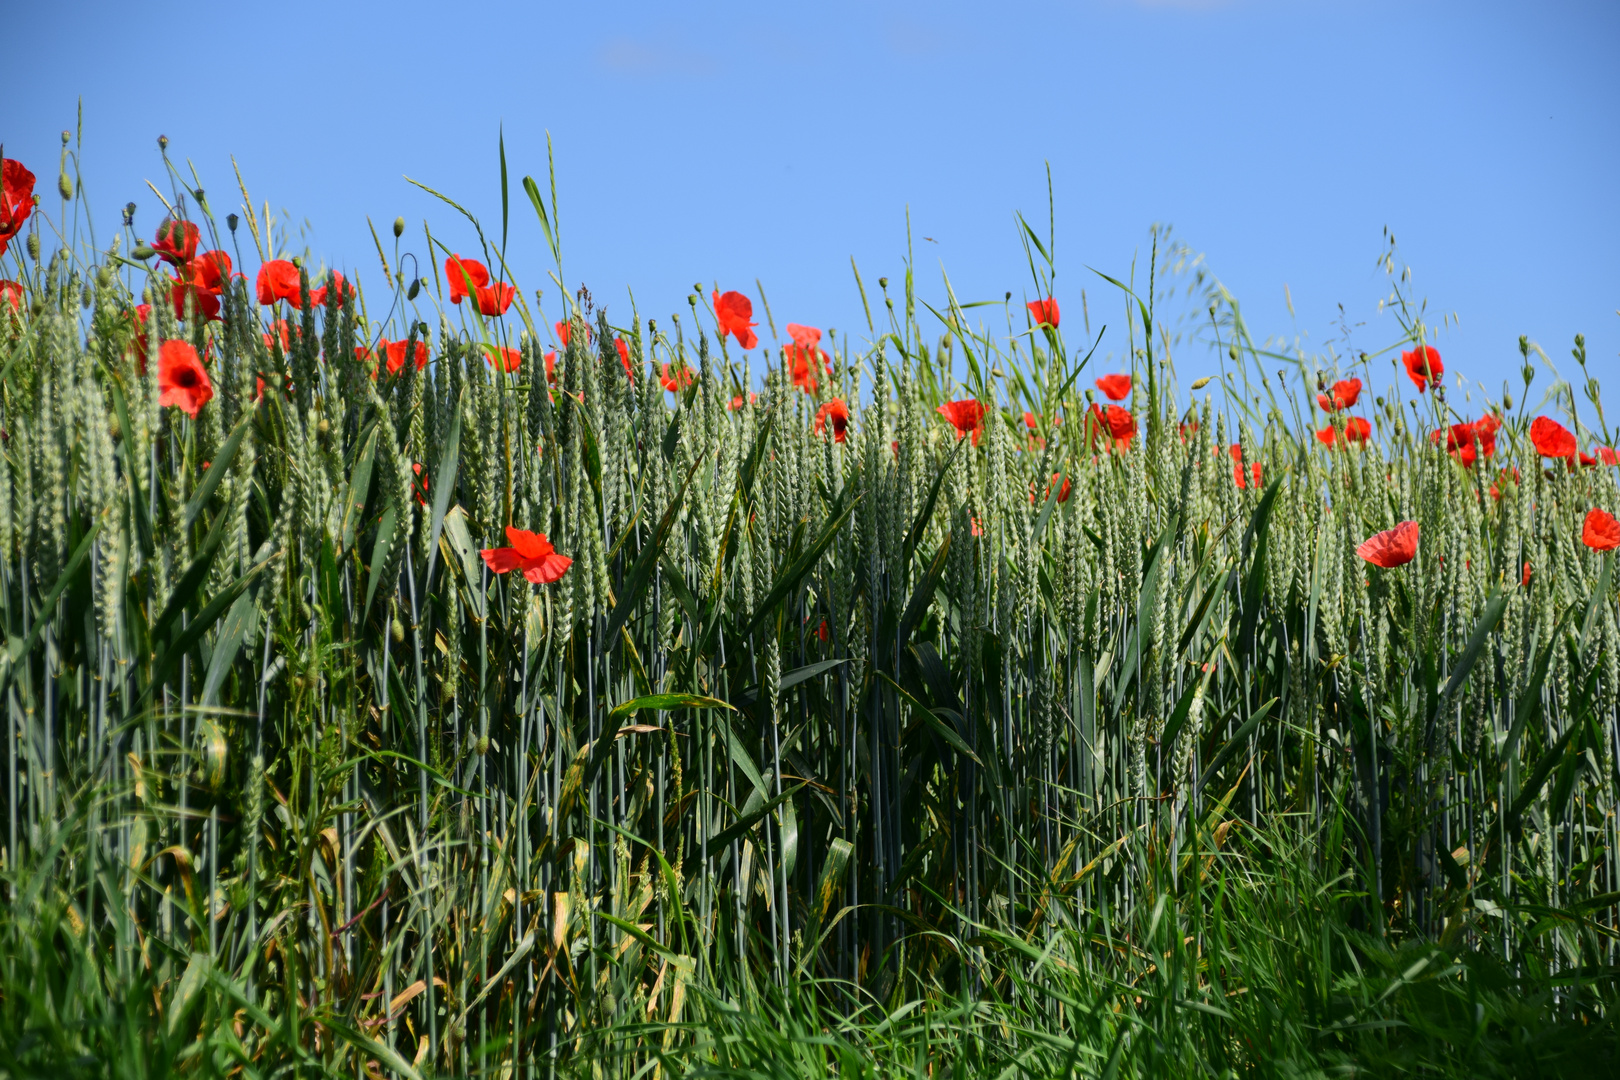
(163, 142)
(1529, 373)
(399, 227)
(1231, 350)
(483, 746)
(1199, 384)
(298, 261)
(85, 296)
(141, 251)
(890, 302)
(1008, 296)
(38, 306)
(324, 427)
(416, 287)
(883, 283)
(691, 299)
(231, 221)
(397, 630)
(104, 277)
(64, 184)
(33, 246)
(1507, 400)
(146, 295)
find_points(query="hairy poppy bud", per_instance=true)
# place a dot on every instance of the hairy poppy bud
(129, 214)
(86, 296)
(141, 251)
(163, 142)
(64, 184)
(1231, 350)
(399, 227)
(1507, 400)
(146, 295)
(397, 630)
(104, 277)
(324, 427)
(33, 246)
(416, 287)
(1199, 384)
(231, 221)
(483, 746)
(1529, 373)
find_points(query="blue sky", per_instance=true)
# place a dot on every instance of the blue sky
(728, 142)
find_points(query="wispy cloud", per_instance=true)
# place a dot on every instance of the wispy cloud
(647, 57)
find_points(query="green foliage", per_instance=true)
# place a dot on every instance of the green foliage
(1040, 753)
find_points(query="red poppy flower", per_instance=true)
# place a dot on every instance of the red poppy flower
(737, 402)
(211, 270)
(396, 354)
(503, 359)
(551, 366)
(495, 299)
(1063, 492)
(281, 329)
(176, 241)
(805, 360)
(733, 311)
(1467, 441)
(1502, 479)
(137, 321)
(1190, 427)
(419, 486)
(205, 302)
(1525, 580)
(1115, 422)
(1344, 394)
(1423, 366)
(1551, 438)
(1357, 429)
(1607, 455)
(837, 413)
(565, 330)
(823, 635)
(623, 349)
(278, 280)
(531, 553)
(966, 416)
(1328, 435)
(1045, 313)
(11, 291)
(16, 200)
(317, 297)
(1601, 532)
(1117, 387)
(1391, 548)
(894, 448)
(182, 379)
(1236, 450)
(675, 379)
(465, 277)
